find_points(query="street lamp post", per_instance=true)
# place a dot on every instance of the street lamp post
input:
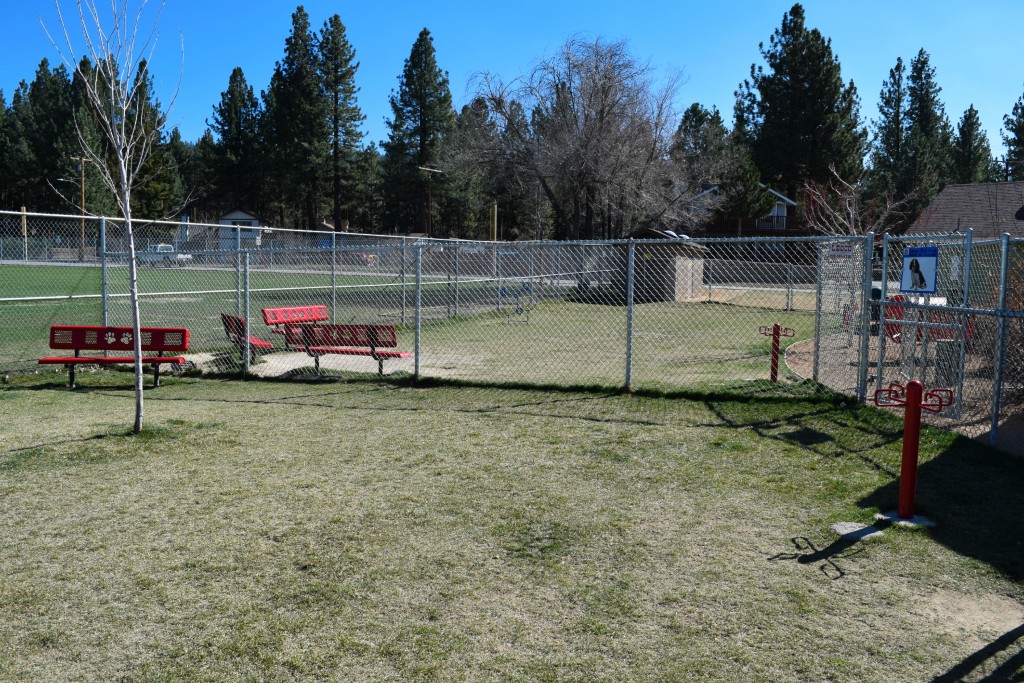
(82, 161)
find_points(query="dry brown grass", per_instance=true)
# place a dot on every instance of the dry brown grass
(360, 531)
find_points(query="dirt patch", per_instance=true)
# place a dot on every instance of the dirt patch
(291, 362)
(800, 358)
(838, 369)
(978, 618)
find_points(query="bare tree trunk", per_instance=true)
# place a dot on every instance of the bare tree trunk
(133, 286)
(114, 89)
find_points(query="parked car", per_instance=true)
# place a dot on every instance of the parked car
(163, 254)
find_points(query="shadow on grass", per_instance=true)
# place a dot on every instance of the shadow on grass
(973, 494)
(807, 553)
(989, 661)
(805, 427)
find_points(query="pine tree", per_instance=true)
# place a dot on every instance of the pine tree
(367, 213)
(1013, 138)
(888, 176)
(296, 118)
(338, 71)
(929, 135)
(972, 156)
(50, 134)
(159, 193)
(799, 116)
(20, 159)
(7, 200)
(701, 135)
(422, 116)
(99, 201)
(236, 158)
(197, 178)
(471, 181)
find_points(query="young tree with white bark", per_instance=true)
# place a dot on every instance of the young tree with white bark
(116, 97)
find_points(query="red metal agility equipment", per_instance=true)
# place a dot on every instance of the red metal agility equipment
(913, 397)
(776, 331)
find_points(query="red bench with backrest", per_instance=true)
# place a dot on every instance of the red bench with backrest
(351, 340)
(287, 320)
(894, 329)
(119, 339)
(234, 328)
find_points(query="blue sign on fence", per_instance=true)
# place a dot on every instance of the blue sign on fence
(920, 265)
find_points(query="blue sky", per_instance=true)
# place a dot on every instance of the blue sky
(974, 47)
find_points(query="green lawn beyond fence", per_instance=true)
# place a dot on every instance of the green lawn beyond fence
(466, 333)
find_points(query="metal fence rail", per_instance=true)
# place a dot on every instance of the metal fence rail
(649, 314)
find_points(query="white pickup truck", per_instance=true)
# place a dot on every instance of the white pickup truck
(163, 254)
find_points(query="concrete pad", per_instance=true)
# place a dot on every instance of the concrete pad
(855, 531)
(912, 523)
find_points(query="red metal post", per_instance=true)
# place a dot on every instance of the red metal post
(913, 398)
(911, 441)
(776, 330)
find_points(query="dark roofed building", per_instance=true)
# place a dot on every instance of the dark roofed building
(990, 209)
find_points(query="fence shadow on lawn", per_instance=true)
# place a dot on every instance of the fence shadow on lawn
(973, 494)
(989, 661)
(801, 429)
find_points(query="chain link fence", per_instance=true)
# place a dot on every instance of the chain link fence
(689, 314)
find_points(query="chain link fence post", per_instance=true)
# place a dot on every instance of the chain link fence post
(964, 322)
(104, 295)
(334, 277)
(238, 271)
(401, 273)
(1004, 260)
(458, 251)
(246, 346)
(880, 374)
(818, 294)
(865, 316)
(497, 278)
(789, 287)
(630, 261)
(419, 308)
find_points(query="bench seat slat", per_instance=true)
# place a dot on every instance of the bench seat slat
(345, 351)
(108, 360)
(346, 336)
(285, 315)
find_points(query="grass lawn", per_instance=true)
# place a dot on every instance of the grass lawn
(270, 531)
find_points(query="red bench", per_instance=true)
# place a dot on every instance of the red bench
(234, 328)
(287, 320)
(351, 340)
(99, 338)
(894, 323)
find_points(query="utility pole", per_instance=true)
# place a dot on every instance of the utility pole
(82, 161)
(430, 211)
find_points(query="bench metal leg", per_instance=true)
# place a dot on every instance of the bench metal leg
(380, 367)
(71, 376)
(156, 374)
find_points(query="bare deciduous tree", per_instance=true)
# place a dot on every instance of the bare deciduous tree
(589, 126)
(115, 91)
(838, 208)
